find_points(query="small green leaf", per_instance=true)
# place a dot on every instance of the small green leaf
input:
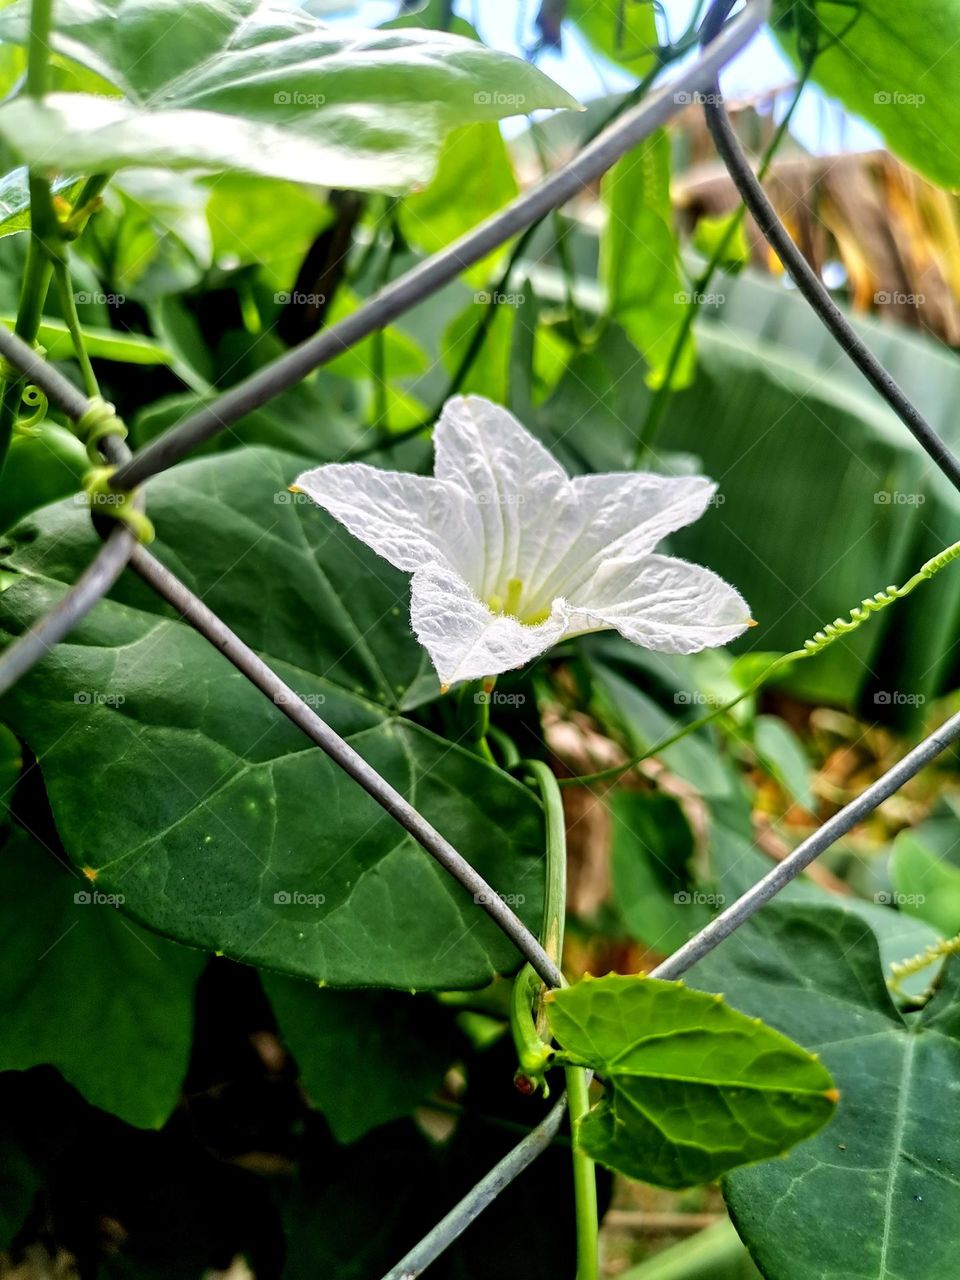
(106, 1003)
(258, 87)
(652, 846)
(639, 262)
(107, 344)
(625, 32)
(927, 885)
(781, 752)
(365, 1057)
(694, 1087)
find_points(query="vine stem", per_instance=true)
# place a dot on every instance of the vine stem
(68, 302)
(577, 1078)
(37, 269)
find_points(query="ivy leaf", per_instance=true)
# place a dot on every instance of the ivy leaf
(365, 1057)
(107, 1004)
(895, 65)
(227, 829)
(694, 1087)
(889, 1164)
(257, 87)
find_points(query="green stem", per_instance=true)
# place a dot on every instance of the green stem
(68, 304)
(577, 1078)
(38, 48)
(658, 405)
(37, 269)
(584, 1179)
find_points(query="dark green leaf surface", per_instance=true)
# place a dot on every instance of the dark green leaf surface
(255, 87)
(108, 1004)
(695, 1088)
(365, 1057)
(871, 1197)
(227, 829)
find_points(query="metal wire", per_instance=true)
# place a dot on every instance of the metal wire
(813, 289)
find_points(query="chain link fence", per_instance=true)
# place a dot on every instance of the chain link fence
(721, 39)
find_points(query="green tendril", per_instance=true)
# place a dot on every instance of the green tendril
(821, 640)
(118, 504)
(938, 950)
(98, 421)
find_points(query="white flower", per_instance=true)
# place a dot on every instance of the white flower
(510, 555)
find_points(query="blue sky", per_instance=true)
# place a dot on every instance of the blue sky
(818, 124)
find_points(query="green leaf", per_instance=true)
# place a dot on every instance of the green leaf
(263, 222)
(896, 65)
(782, 753)
(694, 1087)
(11, 763)
(109, 1005)
(474, 179)
(227, 829)
(639, 263)
(40, 467)
(108, 344)
(261, 88)
(652, 847)
(15, 198)
(625, 31)
(887, 1166)
(926, 884)
(365, 1057)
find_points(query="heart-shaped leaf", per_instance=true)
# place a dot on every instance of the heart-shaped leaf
(188, 792)
(859, 1199)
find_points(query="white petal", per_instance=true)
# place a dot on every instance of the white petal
(464, 639)
(523, 498)
(623, 515)
(407, 519)
(663, 603)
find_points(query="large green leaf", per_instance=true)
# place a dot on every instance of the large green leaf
(858, 1200)
(896, 65)
(226, 829)
(694, 1088)
(258, 87)
(86, 991)
(365, 1057)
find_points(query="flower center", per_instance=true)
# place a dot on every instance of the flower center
(510, 604)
